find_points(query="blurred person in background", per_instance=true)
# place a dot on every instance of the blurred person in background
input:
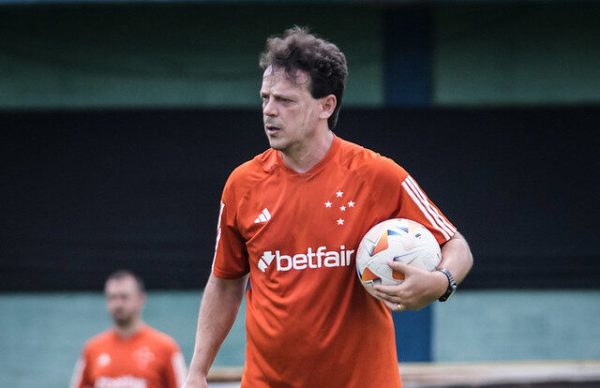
(130, 354)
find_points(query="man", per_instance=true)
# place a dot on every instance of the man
(291, 220)
(130, 354)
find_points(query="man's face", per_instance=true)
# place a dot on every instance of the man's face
(124, 300)
(290, 113)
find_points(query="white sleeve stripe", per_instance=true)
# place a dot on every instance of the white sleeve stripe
(218, 235)
(432, 210)
(442, 221)
(424, 211)
(179, 369)
(77, 374)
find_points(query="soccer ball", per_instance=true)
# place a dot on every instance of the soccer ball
(398, 239)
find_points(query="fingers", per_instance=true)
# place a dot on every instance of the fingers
(397, 307)
(413, 293)
(390, 298)
(392, 294)
(393, 298)
(400, 267)
(396, 296)
(388, 289)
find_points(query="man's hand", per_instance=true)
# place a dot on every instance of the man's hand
(419, 288)
(195, 382)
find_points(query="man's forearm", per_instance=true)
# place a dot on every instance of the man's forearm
(457, 257)
(218, 310)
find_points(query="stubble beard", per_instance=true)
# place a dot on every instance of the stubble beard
(123, 321)
(277, 144)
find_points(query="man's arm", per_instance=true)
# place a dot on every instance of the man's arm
(219, 307)
(421, 288)
(457, 258)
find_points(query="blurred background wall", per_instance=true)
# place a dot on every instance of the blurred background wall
(119, 123)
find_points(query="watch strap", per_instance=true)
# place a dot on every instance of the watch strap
(451, 284)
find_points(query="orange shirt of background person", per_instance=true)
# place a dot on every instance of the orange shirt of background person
(130, 354)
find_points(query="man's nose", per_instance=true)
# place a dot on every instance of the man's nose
(269, 108)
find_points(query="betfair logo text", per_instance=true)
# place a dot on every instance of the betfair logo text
(311, 259)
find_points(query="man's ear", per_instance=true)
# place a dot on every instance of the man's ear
(328, 104)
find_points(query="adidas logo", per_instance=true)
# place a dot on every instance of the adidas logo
(264, 216)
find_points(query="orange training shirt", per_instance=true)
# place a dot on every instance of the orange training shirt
(147, 359)
(309, 321)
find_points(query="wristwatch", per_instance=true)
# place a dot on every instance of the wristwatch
(451, 284)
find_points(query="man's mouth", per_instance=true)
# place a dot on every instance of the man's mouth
(272, 128)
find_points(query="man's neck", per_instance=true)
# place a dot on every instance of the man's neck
(303, 159)
(129, 330)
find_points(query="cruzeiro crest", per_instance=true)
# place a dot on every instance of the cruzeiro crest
(341, 208)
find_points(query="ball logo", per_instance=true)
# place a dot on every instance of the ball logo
(143, 356)
(311, 259)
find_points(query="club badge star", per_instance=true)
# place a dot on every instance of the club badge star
(351, 203)
(340, 221)
(339, 194)
(328, 204)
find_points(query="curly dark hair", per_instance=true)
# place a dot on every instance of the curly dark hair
(298, 49)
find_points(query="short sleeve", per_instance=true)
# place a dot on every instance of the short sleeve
(80, 377)
(230, 259)
(410, 201)
(417, 206)
(175, 368)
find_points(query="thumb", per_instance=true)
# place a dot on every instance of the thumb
(402, 268)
